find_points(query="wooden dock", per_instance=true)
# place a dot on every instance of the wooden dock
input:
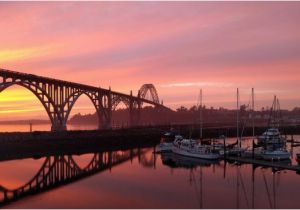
(272, 164)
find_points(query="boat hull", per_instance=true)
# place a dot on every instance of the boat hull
(164, 147)
(274, 155)
(210, 156)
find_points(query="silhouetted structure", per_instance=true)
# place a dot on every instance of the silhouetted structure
(61, 170)
(212, 117)
(58, 97)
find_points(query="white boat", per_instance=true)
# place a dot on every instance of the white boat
(191, 148)
(178, 161)
(278, 154)
(166, 146)
(271, 136)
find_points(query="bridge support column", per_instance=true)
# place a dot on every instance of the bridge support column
(134, 111)
(58, 124)
(105, 119)
(105, 110)
(58, 127)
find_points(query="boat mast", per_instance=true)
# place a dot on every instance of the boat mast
(237, 117)
(200, 109)
(252, 119)
(272, 117)
(252, 114)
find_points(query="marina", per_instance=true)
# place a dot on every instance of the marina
(234, 183)
(149, 105)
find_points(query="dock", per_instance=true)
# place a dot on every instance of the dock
(282, 165)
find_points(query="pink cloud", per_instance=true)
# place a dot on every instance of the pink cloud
(126, 44)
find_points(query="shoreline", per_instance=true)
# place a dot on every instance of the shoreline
(40, 143)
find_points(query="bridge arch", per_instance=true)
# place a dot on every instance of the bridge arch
(44, 172)
(41, 95)
(71, 101)
(118, 100)
(120, 113)
(62, 169)
(149, 88)
(95, 159)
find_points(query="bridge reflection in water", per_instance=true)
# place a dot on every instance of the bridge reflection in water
(142, 175)
(63, 169)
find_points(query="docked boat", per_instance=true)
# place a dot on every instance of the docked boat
(191, 148)
(278, 154)
(269, 152)
(272, 136)
(166, 146)
(273, 143)
(178, 161)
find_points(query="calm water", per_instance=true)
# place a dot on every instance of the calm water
(41, 127)
(138, 178)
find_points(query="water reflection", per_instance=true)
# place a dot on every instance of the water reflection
(266, 179)
(10, 175)
(21, 127)
(60, 170)
(138, 178)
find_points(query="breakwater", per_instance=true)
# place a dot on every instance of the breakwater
(21, 145)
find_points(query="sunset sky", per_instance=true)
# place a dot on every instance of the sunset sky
(180, 47)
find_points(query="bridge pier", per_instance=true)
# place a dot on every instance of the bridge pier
(104, 109)
(134, 110)
(56, 128)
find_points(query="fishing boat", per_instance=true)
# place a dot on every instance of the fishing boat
(166, 146)
(191, 148)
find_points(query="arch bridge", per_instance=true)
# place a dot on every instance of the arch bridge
(61, 170)
(58, 97)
